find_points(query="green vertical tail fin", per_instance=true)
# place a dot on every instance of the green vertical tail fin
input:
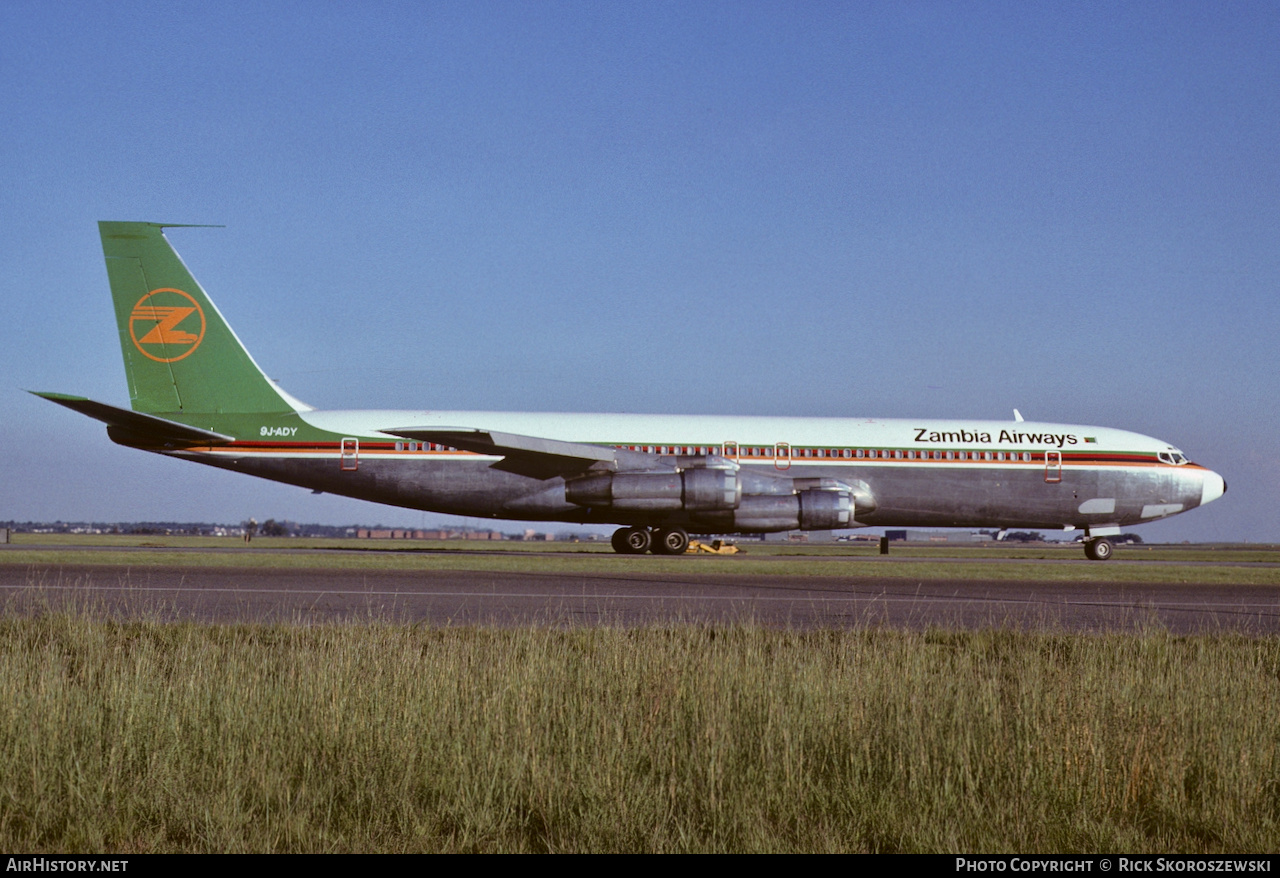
(180, 355)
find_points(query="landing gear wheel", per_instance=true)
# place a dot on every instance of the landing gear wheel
(1099, 549)
(631, 541)
(670, 541)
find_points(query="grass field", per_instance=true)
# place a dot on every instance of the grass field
(134, 736)
(1214, 552)
(1241, 565)
(139, 736)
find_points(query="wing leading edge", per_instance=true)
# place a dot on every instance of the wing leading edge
(526, 455)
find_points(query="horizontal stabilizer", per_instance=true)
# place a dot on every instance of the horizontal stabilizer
(135, 428)
(531, 455)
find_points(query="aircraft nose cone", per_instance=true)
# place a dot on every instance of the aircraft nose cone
(1214, 487)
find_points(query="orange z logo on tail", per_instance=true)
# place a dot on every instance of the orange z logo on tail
(168, 334)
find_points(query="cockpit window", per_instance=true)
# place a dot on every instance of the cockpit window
(1174, 457)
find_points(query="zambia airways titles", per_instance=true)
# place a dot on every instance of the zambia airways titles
(924, 434)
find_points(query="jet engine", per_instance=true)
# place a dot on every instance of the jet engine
(691, 490)
(728, 500)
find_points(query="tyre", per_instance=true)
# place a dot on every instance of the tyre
(671, 541)
(631, 541)
(1099, 549)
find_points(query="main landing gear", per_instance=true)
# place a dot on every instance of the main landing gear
(660, 541)
(1098, 549)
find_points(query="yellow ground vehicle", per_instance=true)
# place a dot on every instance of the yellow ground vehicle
(715, 547)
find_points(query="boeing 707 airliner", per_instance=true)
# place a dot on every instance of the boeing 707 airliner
(196, 394)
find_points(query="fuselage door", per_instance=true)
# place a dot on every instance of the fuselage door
(349, 460)
(782, 455)
(731, 450)
(1053, 466)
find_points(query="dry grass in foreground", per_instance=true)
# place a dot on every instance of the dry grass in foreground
(140, 736)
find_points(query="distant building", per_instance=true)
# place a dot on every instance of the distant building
(934, 536)
(387, 533)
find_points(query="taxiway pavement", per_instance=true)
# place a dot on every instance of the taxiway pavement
(479, 597)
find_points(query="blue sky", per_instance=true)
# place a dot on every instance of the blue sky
(892, 210)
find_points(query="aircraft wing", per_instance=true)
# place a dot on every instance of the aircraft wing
(135, 428)
(527, 455)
